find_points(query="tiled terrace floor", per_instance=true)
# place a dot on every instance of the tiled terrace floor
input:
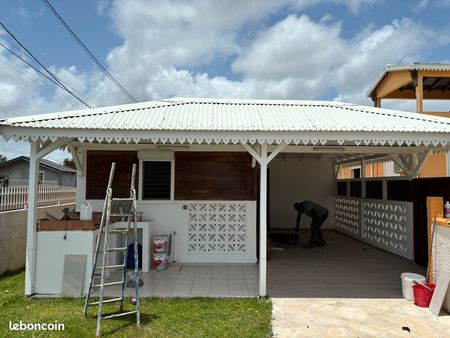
(196, 280)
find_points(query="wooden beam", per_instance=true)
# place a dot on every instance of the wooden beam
(420, 163)
(397, 160)
(47, 148)
(252, 152)
(76, 159)
(378, 103)
(436, 73)
(434, 84)
(392, 82)
(337, 167)
(419, 93)
(275, 152)
(411, 95)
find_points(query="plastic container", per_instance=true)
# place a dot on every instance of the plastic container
(85, 212)
(408, 279)
(447, 210)
(422, 296)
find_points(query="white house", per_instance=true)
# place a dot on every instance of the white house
(203, 166)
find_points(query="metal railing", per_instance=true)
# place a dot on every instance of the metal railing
(16, 197)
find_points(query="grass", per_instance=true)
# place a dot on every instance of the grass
(174, 317)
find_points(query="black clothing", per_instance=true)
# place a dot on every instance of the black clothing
(318, 213)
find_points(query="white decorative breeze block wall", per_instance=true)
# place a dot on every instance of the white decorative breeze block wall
(347, 215)
(217, 227)
(389, 225)
(385, 224)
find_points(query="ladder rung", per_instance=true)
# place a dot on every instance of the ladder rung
(114, 249)
(112, 300)
(108, 284)
(117, 231)
(111, 266)
(119, 314)
(118, 214)
(122, 199)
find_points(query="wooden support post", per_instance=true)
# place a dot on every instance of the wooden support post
(363, 178)
(419, 93)
(30, 262)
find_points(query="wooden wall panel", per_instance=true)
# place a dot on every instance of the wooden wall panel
(98, 168)
(214, 176)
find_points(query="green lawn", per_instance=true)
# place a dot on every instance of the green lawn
(196, 317)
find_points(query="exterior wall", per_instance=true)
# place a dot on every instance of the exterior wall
(13, 231)
(293, 180)
(173, 216)
(20, 171)
(434, 166)
(168, 217)
(50, 261)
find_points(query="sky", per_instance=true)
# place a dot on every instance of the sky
(284, 49)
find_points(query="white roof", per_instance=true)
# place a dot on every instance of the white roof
(409, 66)
(182, 120)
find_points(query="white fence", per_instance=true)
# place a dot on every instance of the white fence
(16, 197)
(382, 223)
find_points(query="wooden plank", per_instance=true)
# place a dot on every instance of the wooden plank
(392, 82)
(419, 93)
(410, 94)
(97, 172)
(434, 210)
(213, 176)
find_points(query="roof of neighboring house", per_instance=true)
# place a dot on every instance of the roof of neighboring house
(188, 120)
(43, 162)
(389, 68)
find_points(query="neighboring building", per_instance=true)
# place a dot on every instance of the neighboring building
(416, 81)
(16, 171)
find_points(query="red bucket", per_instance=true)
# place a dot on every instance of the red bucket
(422, 296)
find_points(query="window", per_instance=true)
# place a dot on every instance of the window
(355, 189)
(41, 176)
(342, 188)
(356, 173)
(156, 180)
(399, 190)
(374, 189)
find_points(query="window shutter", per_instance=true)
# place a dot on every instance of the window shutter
(156, 180)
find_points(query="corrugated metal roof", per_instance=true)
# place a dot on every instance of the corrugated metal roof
(409, 66)
(223, 115)
(44, 162)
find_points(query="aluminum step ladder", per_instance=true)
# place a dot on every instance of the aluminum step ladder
(124, 208)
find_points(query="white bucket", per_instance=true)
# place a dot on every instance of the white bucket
(408, 279)
(85, 212)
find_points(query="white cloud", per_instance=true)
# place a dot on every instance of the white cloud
(421, 5)
(166, 42)
(402, 41)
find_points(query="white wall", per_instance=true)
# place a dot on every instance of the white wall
(51, 248)
(294, 179)
(169, 216)
(13, 236)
